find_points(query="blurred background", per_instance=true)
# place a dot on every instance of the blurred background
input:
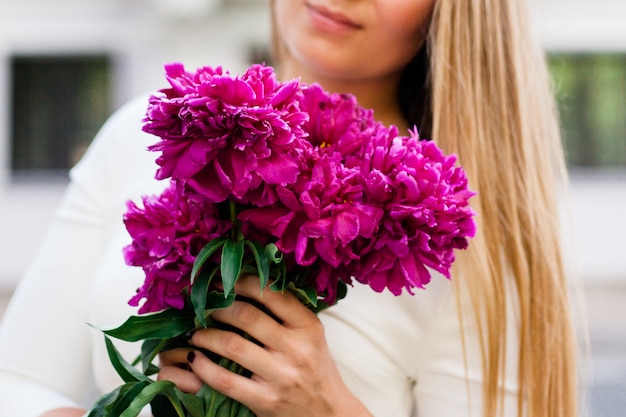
(66, 65)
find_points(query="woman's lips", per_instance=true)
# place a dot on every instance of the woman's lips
(330, 21)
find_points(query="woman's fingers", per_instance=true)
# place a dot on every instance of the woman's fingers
(285, 388)
(233, 385)
(284, 305)
(253, 321)
(279, 322)
(175, 367)
(185, 380)
(234, 347)
(174, 357)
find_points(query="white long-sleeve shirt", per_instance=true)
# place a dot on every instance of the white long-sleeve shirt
(402, 356)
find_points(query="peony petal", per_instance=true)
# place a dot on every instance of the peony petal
(327, 250)
(305, 250)
(414, 272)
(346, 227)
(278, 169)
(318, 228)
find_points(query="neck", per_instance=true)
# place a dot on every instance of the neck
(378, 94)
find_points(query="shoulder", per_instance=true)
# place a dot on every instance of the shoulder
(117, 162)
(120, 138)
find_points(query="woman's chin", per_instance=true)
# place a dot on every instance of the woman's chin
(320, 67)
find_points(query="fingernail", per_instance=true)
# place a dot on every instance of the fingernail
(191, 356)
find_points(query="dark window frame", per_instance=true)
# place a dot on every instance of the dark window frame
(58, 103)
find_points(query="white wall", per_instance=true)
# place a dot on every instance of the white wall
(598, 206)
(581, 25)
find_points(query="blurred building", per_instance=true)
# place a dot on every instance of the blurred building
(586, 45)
(66, 65)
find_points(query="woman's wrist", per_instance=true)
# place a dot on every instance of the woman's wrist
(351, 406)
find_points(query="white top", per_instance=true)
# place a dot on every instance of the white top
(402, 356)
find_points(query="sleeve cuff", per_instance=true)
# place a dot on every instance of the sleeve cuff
(20, 397)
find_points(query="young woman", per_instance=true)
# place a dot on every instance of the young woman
(495, 341)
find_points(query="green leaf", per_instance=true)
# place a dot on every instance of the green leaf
(163, 325)
(232, 255)
(199, 292)
(273, 253)
(307, 294)
(262, 261)
(247, 269)
(280, 284)
(149, 350)
(218, 404)
(124, 369)
(148, 393)
(234, 409)
(204, 255)
(127, 396)
(342, 290)
(214, 301)
(208, 402)
(161, 406)
(106, 402)
(245, 412)
(193, 403)
(239, 410)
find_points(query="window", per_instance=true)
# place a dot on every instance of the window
(591, 94)
(58, 104)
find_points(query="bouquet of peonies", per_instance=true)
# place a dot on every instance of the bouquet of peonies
(285, 181)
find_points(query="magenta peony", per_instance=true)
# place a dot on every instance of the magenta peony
(168, 232)
(426, 212)
(226, 136)
(336, 191)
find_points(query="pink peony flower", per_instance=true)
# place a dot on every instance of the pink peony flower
(336, 121)
(167, 234)
(321, 220)
(341, 195)
(318, 221)
(426, 212)
(402, 211)
(226, 136)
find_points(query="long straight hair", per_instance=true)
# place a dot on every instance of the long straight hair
(492, 106)
(481, 90)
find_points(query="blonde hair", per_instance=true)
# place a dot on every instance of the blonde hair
(492, 106)
(489, 101)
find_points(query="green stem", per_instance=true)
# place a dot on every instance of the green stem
(235, 232)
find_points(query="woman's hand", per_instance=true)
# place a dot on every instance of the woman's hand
(293, 373)
(65, 412)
